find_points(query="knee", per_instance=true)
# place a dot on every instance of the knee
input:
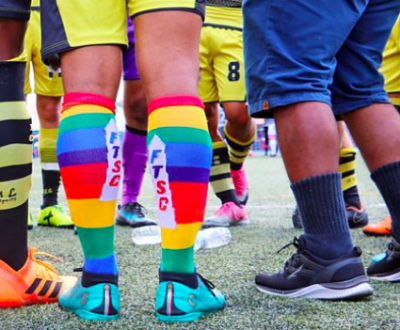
(49, 114)
(136, 111)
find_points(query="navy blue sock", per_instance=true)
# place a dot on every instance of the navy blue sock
(387, 179)
(321, 204)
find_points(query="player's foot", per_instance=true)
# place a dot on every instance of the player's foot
(308, 276)
(296, 219)
(383, 228)
(35, 283)
(54, 216)
(133, 214)
(357, 217)
(99, 302)
(386, 266)
(241, 186)
(229, 214)
(30, 220)
(186, 297)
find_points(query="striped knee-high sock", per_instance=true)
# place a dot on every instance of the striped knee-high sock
(238, 150)
(347, 166)
(89, 154)
(220, 178)
(180, 159)
(15, 164)
(49, 163)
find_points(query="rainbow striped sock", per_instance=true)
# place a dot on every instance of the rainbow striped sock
(180, 152)
(89, 155)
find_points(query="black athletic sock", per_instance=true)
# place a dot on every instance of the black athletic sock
(387, 179)
(51, 184)
(15, 164)
(321, 204)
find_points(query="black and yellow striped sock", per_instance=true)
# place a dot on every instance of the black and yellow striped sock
(347, 166)
(15, 164)
(220, 176)
(238, 150)
(50, 168)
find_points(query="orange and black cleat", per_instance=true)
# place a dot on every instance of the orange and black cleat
(383, 228)
(36, 282)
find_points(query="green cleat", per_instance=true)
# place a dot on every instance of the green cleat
(100, 302)
(54, 216)
(186, 297)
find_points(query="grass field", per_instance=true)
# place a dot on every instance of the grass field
(231, 268)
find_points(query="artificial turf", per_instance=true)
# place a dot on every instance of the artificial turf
(232, 268)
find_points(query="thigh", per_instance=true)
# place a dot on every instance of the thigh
(229, 65)
(207, 86)
(290, 48)
(357, 81)
(71, 24)
(168, 51)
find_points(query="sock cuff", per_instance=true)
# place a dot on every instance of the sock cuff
(386, 170)
(12, 79)
(229, 137)
(74, 99)
(348, 152)
(219, 145)
(49, 132)
(136, 131)
(175, 100)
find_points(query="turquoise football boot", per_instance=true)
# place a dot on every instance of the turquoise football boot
(99, 302)
(186, 297)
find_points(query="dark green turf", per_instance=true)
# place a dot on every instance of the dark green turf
(232, 269)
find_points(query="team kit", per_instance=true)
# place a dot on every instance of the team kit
(255, 62)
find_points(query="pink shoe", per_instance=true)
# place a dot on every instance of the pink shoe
(241, 186)
(229, 214)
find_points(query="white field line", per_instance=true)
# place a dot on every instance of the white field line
(277, 206)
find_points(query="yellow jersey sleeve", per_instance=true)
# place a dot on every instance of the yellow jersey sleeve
(391, 60)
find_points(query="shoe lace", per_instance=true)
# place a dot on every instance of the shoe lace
(207, 283)
(224, 208)
(293, 260)
(44, 269)
(59, 208)
(135, 207)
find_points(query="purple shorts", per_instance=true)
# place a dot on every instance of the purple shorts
(130, 68)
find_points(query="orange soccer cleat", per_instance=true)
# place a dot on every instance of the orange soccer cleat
(383, 228)
(36, 282)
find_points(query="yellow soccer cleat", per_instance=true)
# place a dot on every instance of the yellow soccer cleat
(54, 216)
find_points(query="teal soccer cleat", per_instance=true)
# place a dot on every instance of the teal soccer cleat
(186, 297)
(99, 302)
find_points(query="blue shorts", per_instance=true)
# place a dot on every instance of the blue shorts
(15, 9)
(316, 50)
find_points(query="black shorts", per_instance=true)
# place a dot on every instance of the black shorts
(15, 9)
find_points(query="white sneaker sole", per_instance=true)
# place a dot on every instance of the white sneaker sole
(388, 278)
(318, 291)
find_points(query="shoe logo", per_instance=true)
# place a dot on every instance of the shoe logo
(84, 298)
(191, 297)
(47, 218)
(45, 288)
(298, 270)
